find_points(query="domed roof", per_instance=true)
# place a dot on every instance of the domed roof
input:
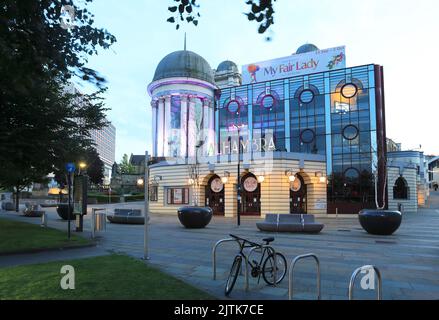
(227, 66)
(184, 63)
(308, 47)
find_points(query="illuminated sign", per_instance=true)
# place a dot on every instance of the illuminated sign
(295, 65)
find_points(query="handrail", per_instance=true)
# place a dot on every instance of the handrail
(290, 275)
(354, 277)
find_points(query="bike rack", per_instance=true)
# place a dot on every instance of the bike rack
(290, 275)
(354, 277)
(215, 247)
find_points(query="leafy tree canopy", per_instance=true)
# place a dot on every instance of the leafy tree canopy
(261, 11)
(43, 125)
(125, 166)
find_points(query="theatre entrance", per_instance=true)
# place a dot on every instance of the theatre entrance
(251, 196)
(215, 195)
(298, 195)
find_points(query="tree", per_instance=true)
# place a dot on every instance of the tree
(95, 166)
(261, 11)
(125, 166)
(42, 126)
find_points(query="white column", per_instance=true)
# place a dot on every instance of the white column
(154, 128)
(160, 126)
(183, 130)
(209, 127)
(205, 134)
(167, 128)
(192, 128)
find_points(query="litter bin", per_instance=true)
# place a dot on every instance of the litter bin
(98, 221)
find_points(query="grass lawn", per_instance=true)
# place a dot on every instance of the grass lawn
(19, 236)
(107, 277)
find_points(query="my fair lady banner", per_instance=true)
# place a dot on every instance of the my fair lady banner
(295, 65)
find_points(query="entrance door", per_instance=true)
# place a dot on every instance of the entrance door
(251, 196)
(298, 196)
(215, 195)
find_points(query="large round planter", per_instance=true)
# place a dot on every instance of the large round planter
(63, 213)
(195, 217)
(380, 222)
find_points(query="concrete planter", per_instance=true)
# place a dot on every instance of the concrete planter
(380, 222)
(62, 208)
(195, 217)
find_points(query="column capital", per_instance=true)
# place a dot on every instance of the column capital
(154, 103)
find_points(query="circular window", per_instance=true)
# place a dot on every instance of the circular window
(351, 173)
(306, 96)
(350, 132)
(268, 101)
(296, 185)
(307, 136)
(250, 184)
(349, 90)
(216, 185)
(233, 106)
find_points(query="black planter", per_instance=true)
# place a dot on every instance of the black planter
(195, 217)
(63, 213)
(380, 222)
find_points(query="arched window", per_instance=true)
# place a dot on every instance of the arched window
(347, 96)
(400, 189)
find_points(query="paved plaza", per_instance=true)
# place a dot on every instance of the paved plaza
(408, 260)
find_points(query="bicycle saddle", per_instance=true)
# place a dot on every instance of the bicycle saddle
(268, 240)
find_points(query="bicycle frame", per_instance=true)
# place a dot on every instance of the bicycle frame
(243, 243)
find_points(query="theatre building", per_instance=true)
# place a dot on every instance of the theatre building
(305, 132)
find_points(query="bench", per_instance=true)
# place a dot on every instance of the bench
(290, 223)
(33, 211)
(127, 216)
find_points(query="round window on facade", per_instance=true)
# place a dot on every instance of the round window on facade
(351, 174)
(268, 101)
(307, 136)
(296, 185)
(349, 90)
(306, 96)
(233, 106)
(350, 132)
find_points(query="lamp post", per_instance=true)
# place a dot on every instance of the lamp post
(238, 186)
(146, 214)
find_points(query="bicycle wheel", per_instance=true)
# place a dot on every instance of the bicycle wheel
(234, 272)
(268, 268)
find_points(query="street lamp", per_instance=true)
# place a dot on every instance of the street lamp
(82, 166)
(238, 128)
(140, 182)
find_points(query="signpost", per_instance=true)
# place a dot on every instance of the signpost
(146, 214)
(70, 168)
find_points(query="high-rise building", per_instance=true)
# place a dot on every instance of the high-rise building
(104, 140)
(105, 144)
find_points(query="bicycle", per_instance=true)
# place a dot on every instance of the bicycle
(264, 267)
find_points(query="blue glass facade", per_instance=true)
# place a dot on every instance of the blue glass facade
(339, 114)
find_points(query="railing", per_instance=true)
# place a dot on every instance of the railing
(354, 277)
(290, 275)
